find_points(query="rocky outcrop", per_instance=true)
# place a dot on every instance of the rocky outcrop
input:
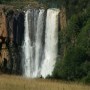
(3, 28)
(11, 37)
(15, 29)
(3, 37)
(15, 26)
(63, 22)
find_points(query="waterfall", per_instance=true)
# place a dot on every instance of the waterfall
(51, 41)
(26, 47)
(40, 42)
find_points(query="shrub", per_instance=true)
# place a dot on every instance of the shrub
(86, 79)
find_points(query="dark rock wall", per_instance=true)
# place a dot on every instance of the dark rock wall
(15, 22)
(13, 42)
(18, 28)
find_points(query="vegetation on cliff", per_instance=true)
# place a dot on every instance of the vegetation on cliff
(75, 42)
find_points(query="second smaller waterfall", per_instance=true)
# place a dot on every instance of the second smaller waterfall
(26, 48)
(39, 43)
(33, 42)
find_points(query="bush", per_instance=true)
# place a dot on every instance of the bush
(75, 63)
(86, 79)
(69, 68)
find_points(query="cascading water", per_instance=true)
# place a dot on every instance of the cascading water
(34, 64)
(33, 44)
(51, 41)
(39, 43)
(26, 48)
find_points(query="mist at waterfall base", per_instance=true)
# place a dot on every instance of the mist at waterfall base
(40, 42)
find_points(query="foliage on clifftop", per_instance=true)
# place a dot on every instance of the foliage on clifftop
(20, 4)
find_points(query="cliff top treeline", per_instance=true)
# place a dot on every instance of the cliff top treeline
(72, 6)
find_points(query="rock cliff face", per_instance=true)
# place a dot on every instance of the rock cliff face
(3, 28)
(63, 18)
(3, 37)
(11, 37)
(15, 25)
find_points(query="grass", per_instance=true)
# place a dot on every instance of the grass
(8, 82)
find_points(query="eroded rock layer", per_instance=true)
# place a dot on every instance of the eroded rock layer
(11, 37)
(3, 37)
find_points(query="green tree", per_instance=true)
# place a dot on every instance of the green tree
(70, 67)
(75, 63)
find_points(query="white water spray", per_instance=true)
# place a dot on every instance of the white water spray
(51, 41)
(26, 48)
(34, 65)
